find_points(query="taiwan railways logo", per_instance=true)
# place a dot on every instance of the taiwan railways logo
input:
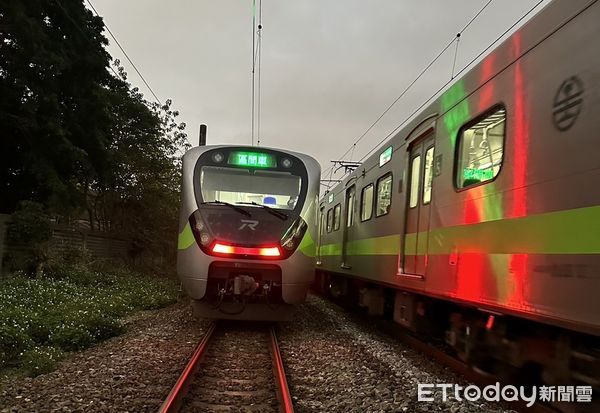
(567, 103)
(248, 223)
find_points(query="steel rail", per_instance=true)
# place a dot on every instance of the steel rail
(173, 401)
(283, 392)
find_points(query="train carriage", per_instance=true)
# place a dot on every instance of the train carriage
(247, 225)
(479, 221)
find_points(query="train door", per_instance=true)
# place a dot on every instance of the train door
(348, 224)
(418, 205)
(321, 229)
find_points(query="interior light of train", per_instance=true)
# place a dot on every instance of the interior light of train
(253, 159)
(385, 156)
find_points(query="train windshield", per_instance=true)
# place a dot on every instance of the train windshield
(275, 189)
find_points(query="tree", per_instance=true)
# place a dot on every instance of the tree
(77, 138)
(53, 77)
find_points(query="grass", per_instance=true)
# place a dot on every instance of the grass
(69, 308)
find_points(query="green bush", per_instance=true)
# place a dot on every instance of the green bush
(71, 337)
(13, 342)
(70, 307)
(30, 229)
(41, 360)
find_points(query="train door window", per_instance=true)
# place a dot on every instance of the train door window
(384, 195)
(428, 179)
(366, 203)
(329, 219)
(415, 168)
(336, 216)
(350, 195)
(480, 149)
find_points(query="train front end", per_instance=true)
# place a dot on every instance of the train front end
(247, 229)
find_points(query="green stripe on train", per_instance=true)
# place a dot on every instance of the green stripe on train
(307, 245)
(186, 238)
(574, 231)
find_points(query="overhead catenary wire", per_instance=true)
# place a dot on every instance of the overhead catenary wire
(256, 72)
(125, 53)
(411, 84)
(253, 70)
(259, 41)
(450, 81)
(81, 31)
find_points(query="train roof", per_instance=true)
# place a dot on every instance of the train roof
(545, 22)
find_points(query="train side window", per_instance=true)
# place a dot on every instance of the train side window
(415, 176)
(480, 149)
(384, 195)
(366, 203)
(336, 216)
(428, 181)
(329, 219)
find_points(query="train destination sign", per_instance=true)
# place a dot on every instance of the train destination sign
(385, 156)
(478, 174)
(254, 159)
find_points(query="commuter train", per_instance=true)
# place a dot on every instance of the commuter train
(478, 223)
(246, 230)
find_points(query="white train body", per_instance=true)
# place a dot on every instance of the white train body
(247, 228)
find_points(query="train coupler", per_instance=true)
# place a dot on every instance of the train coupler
(244, 285)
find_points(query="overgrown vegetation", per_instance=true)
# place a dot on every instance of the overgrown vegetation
(72, 305)
(77, 138)
(78, 142)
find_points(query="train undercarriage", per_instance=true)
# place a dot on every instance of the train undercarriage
(514, 349)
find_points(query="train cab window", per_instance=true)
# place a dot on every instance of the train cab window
(366, 203)
(336, 216)
(329, 220)
(480, 149)
(384, 195)
(428, 181)
(415, 168)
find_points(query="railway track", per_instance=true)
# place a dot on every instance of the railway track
(235, 368)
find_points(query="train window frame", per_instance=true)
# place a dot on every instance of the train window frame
(362, 204)
(430, 147)
(350, 206)
(411, 188)
(376, 197)
(475, 120)
(329, 222)
(337, 217)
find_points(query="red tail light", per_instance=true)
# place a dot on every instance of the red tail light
(219, 248)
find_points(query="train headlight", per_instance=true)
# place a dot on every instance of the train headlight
(204, 238)
(286, 163)
(293, 236)
(200, 231)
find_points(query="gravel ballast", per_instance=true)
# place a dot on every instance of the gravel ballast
(130, 373)
(336, 362)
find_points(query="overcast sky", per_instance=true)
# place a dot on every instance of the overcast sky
(329, 68)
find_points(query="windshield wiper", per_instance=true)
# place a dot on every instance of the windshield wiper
(270, 210)
(238, 209)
